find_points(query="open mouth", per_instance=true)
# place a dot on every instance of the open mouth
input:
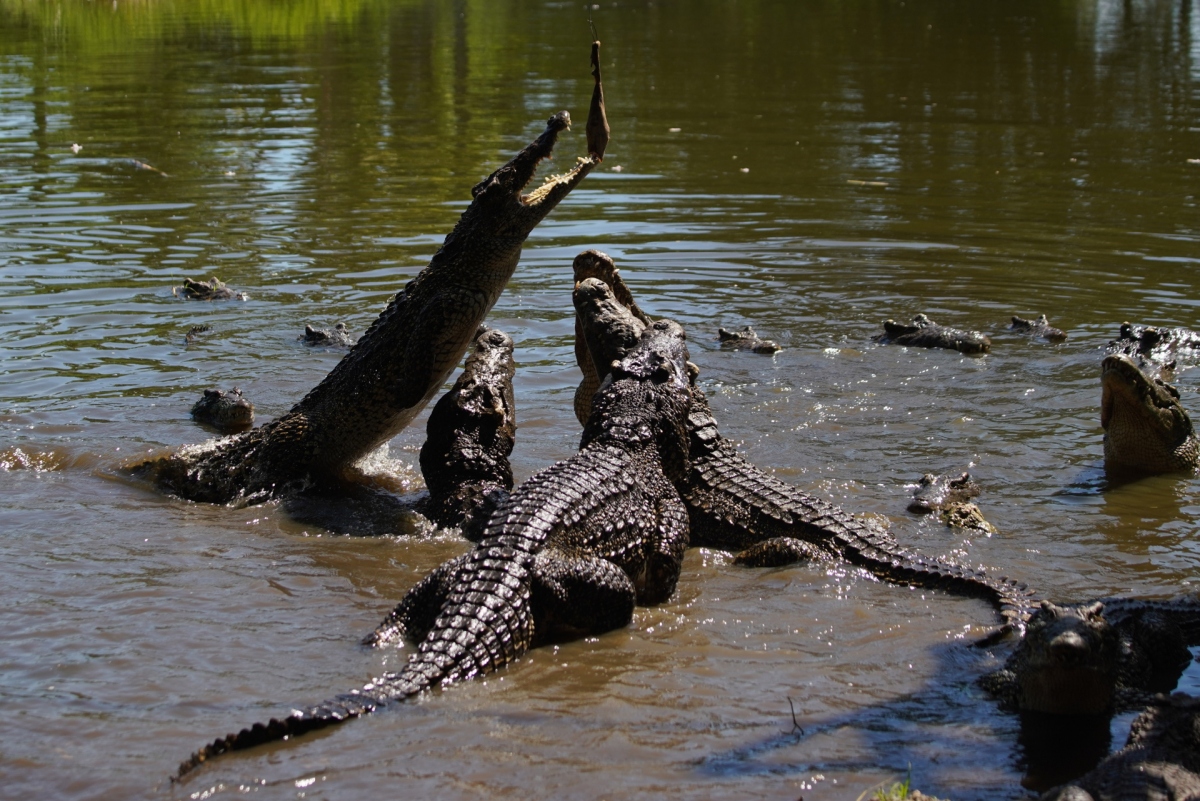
(568, 178)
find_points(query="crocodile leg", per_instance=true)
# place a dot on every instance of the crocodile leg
(414, 616)
(780, 551)
(580, 593)
(665, 560)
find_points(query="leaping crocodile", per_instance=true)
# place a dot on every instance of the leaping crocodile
(572, 549)
(735, 506)
(399, 363)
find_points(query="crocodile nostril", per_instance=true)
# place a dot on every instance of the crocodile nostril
(1068, 647)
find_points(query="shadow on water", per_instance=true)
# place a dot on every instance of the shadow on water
(927, 732)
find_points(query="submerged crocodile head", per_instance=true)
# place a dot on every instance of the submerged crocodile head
(933, 492)
(227, 412)
(1146, 430)
(1067, 663)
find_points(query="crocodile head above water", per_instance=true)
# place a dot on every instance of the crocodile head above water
(412, 347)
(934, 492)
(1146, 430)
(1067, 662)
(925, 333)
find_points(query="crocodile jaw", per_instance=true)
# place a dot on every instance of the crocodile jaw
(1146, 428)
(510, 212)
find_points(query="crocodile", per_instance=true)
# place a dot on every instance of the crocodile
(213, 289)
(572, 550)
(1096, 658)
(1146, 429)
(1038, 328)
(1160, 760)
(735, 506)
(594, 264)
(934, 493)
(1164, 347)
(949, 497)
(746, 339)
(469, 437)
(925, 333)
(225, 411)
(401, 361)
(195, 332)
(337, 337)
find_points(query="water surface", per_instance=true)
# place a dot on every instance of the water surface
(808, 168)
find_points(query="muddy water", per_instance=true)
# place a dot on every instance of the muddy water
(811, 169)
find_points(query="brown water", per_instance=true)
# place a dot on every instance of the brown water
(809, 168)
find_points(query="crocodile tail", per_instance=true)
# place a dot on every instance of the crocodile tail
(486, 622)
(327, 714)
(880, 554)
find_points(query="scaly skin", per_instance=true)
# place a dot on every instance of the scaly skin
(735, 506)
(398, 364)
(925, 333)
(1146, 429)
(1038, 328)
(572, 549)
(1092, 659)
(469, 437)
(949, 497)
(1160, 760)
(225, 411)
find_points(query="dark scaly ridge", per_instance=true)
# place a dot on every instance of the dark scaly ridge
(1160, 760)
